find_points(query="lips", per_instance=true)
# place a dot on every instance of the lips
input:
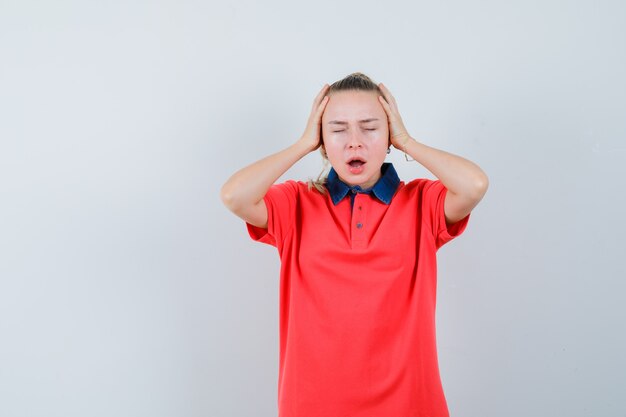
(356, 161)
(356, 164)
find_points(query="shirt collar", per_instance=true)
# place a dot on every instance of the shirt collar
(384, 188)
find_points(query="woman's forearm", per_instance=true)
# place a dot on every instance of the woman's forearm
(459, 175)
(250, 184)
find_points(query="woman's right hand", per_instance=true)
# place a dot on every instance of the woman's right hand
(312, 134)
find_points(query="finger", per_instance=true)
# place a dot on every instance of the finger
(386, 106)
(320, 95)
(322, 105)
(383, 102)
(316, 114)
(390, 98)
(385, 91)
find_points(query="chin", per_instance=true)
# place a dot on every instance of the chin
(360, 179)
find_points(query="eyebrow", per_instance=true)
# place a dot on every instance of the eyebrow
(340, 122)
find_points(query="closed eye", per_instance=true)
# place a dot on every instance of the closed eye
(337, 131)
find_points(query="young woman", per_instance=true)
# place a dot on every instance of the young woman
(358, 273)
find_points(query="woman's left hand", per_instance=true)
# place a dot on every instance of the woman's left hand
(397, 131)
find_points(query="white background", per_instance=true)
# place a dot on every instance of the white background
(127, 289)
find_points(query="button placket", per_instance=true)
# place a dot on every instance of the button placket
(359, 218)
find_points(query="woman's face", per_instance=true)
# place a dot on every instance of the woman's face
(356, 136)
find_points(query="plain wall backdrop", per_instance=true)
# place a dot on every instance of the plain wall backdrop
(128, 289)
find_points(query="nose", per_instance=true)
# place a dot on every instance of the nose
(355, 141)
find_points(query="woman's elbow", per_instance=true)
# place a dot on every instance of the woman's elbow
(480, 188)
(229, 198)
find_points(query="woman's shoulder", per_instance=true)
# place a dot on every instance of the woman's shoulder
(418, 186)
(415, 184)
(301, 188)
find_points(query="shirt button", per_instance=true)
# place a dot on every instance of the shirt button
(360, 207)
(359, 225)
(353, 191)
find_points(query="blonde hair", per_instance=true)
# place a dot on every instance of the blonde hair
(357, 81)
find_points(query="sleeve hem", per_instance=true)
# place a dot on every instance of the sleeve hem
(455, 229)
(259, 234)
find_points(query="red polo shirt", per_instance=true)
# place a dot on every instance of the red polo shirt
(357, 299)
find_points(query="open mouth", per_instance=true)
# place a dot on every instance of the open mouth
(356, 165)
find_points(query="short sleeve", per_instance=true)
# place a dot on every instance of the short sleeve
(433, 213)
(280, 201)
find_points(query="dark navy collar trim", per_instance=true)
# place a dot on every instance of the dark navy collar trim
(384, 189)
